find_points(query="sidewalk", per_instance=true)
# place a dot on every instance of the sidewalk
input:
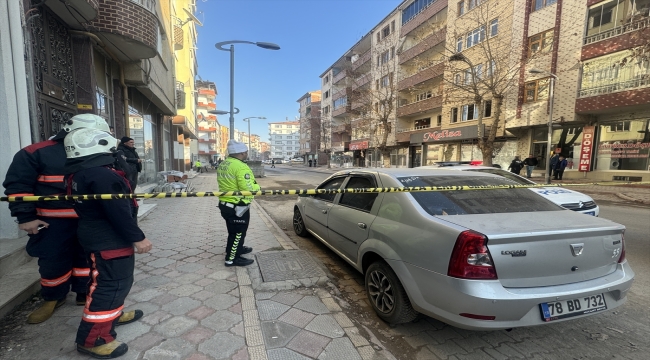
(196, 308)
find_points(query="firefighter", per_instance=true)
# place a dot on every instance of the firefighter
(234, 175)
(108, 232)
(38, 169)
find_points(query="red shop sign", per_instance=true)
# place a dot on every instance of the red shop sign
(359, 145)
(586, 148)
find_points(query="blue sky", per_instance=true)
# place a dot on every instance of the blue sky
(312, 35)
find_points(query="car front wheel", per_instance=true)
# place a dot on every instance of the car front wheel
(298, 224)
(387, 295)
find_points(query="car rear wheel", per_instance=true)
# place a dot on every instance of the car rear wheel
(387, 295)
(298, 224)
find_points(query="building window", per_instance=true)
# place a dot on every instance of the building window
(472, 4)
(468, 76)
(454, 115)
(327, 94)
(385, 32)
(423, 96)
(459, 44)
(461, 8)
(475, 36)
(422, 124)
(619, 127)
(439, 120)
(392, 26)
(326, 79)
(342, 101)
(326, 110)
(494, 27)
(478, 71)
(457, 78)
(385, 56)
(540, 43)
(538, 4)
(414, 9)
(491, 68)
(470, 112)
(387, 80)
(536, 90)
(487, 109)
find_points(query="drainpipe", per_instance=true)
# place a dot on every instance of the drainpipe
(15, 33)
(125, 89)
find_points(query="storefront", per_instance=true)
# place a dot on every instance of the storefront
(427, 148)
(623, 145)
(359, 149)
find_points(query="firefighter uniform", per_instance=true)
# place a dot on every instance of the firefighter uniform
(107, 232)
(38, 170)
(234, 175)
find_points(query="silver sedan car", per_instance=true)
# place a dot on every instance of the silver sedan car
(480, 259)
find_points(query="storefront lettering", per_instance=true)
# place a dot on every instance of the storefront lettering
(585, 148)
(359, 145)
(437, 135)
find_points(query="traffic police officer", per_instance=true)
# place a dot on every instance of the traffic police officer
(108, 233)
(233, 174)
(38, 169)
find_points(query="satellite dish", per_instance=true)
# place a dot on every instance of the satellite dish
(193, 18)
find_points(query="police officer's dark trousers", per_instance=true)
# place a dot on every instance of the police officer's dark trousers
(111, 280)
(237, 227)
(61, 259)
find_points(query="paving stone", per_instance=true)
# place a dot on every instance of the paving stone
(446, 349)
(181, 306)
(200, 313)
(264, 295)
(331, 304)
(340, 349)
(326, 326)
(133, 331)
(343, 320)
(189, 267)
(246, 291)
(277, 334)
(222, 345)
(242, 354)
(248, 303)
(164, 299)
(297, 317)
(236, 308)
(285, 354)
(355, 337)
(172, 349)
(198, 334)
(221, 274)
(159, 271)
(159, 263)
(203, 295)
(185, 290)
(175, 326)
(254, 336)
(204, 282)
(368, 353)
(145, 295)
(221, 320)
(238, 329)
(190, 278)
(163, 253)
(312, 304)
(155, 317)
(192, 252)
(420, 339)
(308, 343)
(146, 342)
(221, 301)
(287, 298)
(257, 353)
(270, 310)
(251, 318)
(198, 356)
(221, 286)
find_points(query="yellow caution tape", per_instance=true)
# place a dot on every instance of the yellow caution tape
(291, 192)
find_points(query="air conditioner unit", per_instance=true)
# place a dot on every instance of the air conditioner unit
(614, 164)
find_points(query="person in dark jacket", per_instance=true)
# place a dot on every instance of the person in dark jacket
(516, 165)
(127, 146)
(108, 233)
(553, 162)
(530, 163)
(38, 169)
(559, 168)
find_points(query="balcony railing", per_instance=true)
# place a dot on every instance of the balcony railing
(361, 81)
(147, 4)
(413, 108)
(340, 76)
(361, 60)
(619, 30)
(641, 82)
(422, 76)
(413, 128)
(429, 42)
(180, 95)
(178, 32)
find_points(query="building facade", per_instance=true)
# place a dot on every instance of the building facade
(208, 126)
(310, 126)
(284, 139)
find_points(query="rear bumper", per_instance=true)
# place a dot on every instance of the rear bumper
(444, 298)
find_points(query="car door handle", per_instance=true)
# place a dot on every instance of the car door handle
(361, 225)
(324, 211)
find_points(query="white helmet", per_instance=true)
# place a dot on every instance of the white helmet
(91, 121)
(84, 142)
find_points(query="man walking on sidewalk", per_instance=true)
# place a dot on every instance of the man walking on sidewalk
(530, 163)
(234, 174)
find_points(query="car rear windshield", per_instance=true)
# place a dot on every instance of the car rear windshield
(475, 201)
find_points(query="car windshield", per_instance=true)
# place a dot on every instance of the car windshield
(475, 201)
(506, 174)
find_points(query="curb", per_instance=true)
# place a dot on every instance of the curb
(629, 198)
(280, 236)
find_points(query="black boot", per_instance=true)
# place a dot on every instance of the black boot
(245, 250)
(239, 261)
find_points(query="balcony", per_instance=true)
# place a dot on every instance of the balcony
(209, 129)
(340, 76)
(208, 92)
(620, 38)
(209, 105)
(404, 134)
(640, 82)
(177, 24)
(418, 107)
(129, 28)
(343, 128)
(619, 30)
(71, 10)
(180, 95)
(422, 76)
(424, 45)
(632, 96)
(207, 141)
(422, 17)
(361, 81)
(340, 146)
(211, 152)
(186, 126)
(342, 110)
(361, 60)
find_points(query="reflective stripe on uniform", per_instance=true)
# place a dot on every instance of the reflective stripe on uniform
(60, 213)
(50, 178)
(80, 272)
(56, 282)
(102, 316)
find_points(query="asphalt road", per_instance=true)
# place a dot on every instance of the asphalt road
(620, 334)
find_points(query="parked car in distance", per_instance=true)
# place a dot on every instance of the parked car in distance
(298, 160)
(482, 259)
(569, 199)
(278, 161)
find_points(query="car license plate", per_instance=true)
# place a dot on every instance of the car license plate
(592, 213)
(575, 307)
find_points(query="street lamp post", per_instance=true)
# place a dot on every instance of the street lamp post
(547, 177)
(219, 45)
(249, 127)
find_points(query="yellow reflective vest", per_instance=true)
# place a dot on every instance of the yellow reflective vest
(234, 175)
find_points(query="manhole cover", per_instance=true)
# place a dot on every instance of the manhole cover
(287, 265)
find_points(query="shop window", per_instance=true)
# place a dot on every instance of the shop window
(619, 127)
(536, 90)
(540, 43)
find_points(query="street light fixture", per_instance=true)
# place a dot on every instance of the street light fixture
(220, 46)
(547, 177)
(248, 120)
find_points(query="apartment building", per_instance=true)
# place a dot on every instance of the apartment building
(208, 125)
(284, 139)
(310, 125)
(265, 150)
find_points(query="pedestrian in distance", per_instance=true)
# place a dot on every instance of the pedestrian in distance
(310, 162)
(559, 168)
(127, 146)
(198, 166)
(51, 225)
(553, 162)
(272, 163)
(516, 165)
(108, 233)
(234, 175)
(531, 163)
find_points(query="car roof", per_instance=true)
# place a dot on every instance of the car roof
(419, 171)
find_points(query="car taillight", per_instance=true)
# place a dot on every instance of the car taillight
(471, 258)
(622, 257)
